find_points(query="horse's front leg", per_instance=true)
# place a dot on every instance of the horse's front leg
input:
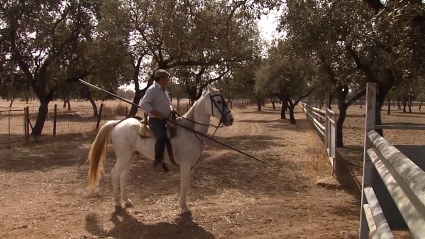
(185, 180)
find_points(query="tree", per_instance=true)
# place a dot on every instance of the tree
(41, 45)
(12, 82)
(352, 46)
(177, 91)
(286, 76)
(239, 83)
(195, 37)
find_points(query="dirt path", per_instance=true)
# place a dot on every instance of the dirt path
(44, 192)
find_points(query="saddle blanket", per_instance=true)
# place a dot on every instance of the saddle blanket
(145, 130)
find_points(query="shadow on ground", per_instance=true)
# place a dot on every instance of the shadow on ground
(128, 227)
(47, 154)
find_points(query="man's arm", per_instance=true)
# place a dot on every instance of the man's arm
(146, 104)
(169, 102)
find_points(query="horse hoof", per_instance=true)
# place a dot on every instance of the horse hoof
(118, 208)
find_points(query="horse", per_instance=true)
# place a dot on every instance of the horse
(187, 146)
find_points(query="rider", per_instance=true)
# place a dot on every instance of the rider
(157, 103)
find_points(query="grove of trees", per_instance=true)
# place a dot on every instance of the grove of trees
(325, 46)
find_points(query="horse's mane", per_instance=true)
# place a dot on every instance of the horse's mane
(210, 90)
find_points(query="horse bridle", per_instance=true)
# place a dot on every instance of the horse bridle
(223, 108)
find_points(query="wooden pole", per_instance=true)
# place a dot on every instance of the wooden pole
(25, 124)
(367, 164)
(99, 117)
(55, 113)
(10, 109)
(28, 123)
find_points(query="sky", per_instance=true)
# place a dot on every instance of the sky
(267, 26)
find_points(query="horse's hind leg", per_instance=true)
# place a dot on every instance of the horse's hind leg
(119, 174)
(123, 185)
(185, 181)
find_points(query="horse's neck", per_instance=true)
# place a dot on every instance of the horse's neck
(197, 113)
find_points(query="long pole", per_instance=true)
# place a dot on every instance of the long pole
(196, 132)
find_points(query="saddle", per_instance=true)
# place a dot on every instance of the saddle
(145, 130)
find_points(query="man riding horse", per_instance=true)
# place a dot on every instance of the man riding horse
(157, 103)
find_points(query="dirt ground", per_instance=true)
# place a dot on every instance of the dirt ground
(45, 194)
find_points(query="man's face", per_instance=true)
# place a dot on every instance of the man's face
(163, 81)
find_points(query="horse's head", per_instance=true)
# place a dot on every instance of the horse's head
(217, 106)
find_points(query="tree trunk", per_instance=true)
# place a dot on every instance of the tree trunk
(398, 104)
(420, 105)
(264, 104)
(361, 103)
(283, 110)
(341, 92)
(404, 105)
(11, 102)
(93, 104)
(258, 104)
(330, 101)
(274, 107)
(340, 124)
(137, 97)
(41, 117)
(380, 98)
(409, 104)
(389, 106)
(291, 114)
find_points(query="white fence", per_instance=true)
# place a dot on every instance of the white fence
(322, 120)
(388, 171)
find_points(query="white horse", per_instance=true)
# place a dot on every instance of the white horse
(187, 147)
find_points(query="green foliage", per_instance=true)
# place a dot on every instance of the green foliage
(284, 74)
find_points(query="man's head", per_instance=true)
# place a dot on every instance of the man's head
(162, 77)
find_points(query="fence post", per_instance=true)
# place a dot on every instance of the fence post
(99, 117)
(27, 123)
(367, 164)
(10, 109)
(55, 114)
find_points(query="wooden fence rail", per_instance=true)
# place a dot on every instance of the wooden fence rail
(393, 187)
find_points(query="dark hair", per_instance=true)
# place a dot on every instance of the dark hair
(157, 79)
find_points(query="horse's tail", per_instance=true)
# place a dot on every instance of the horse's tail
(97, 153)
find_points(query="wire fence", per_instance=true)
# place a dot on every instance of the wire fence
(17, 123)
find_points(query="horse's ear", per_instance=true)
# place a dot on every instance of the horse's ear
(210, 89)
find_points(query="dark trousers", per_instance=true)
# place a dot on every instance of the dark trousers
(158, 127)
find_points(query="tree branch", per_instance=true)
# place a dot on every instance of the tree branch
(356, 97)
(376, 5)
(303, 96)
(136, 73)
(360, 65)
(21, 63)
(327, 68)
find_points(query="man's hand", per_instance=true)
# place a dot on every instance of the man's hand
(157, 114)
